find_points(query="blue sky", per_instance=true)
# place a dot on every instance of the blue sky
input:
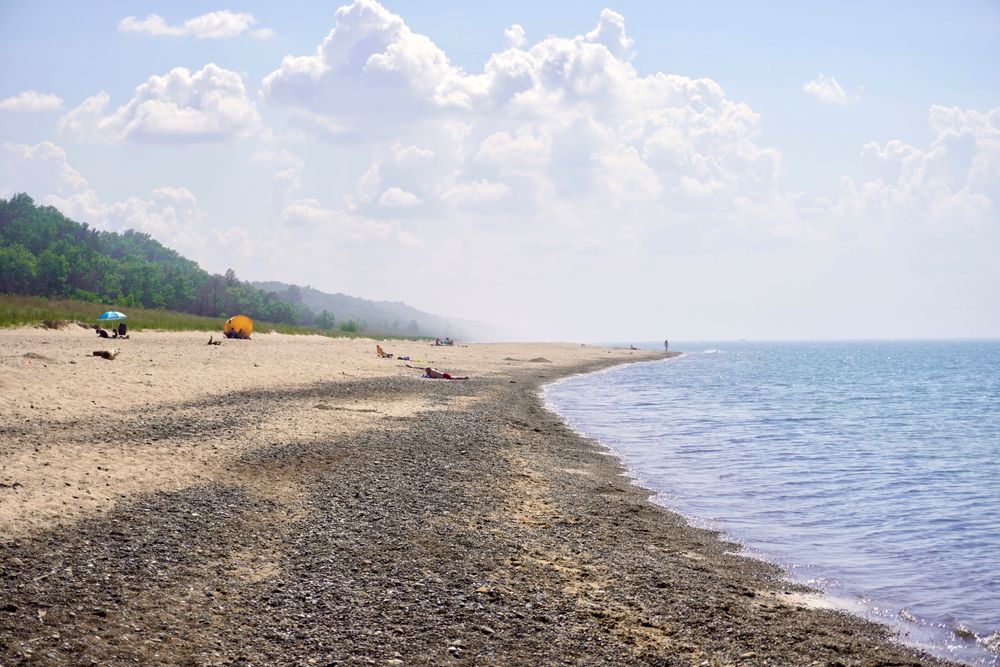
(698, 170)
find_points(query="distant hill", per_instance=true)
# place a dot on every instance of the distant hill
(43, 253)
(387, 317)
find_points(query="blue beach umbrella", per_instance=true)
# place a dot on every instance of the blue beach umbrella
(111, 315)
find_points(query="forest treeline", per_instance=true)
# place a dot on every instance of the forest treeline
(44, 253)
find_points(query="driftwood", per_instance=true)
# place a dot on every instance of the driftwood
(106, 354)
(214, 342)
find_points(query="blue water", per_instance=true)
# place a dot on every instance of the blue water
(870, 470)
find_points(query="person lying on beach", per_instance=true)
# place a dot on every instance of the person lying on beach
(382, 353)
(435, 374)
(103, 333)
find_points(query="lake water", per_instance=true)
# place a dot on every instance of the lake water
(870, 470)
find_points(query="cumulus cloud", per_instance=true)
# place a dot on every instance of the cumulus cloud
(610, 32)
(515, 35)
(828, 90)
(210, 105)
(370, 63)
(398, 198)
(170, 214)
(564, 128)
(224, 24)
(43, 168)
(953, 183)
(32, 101)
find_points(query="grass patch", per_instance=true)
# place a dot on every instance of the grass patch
(18, 311)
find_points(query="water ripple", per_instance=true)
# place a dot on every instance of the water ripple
(874, 468)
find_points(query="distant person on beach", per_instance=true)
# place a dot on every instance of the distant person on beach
(102, 333)
(666, 344)
(435, 374)
(122, 330)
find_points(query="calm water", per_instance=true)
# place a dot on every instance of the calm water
(870, 470)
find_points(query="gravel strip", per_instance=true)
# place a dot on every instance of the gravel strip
(489, 534)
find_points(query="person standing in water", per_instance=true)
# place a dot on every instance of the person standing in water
(666, 344)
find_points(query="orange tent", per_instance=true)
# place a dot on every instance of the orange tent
(238, 326)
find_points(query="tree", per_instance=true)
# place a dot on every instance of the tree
(53, 274)
(18, 269)
(324, 320)
(350, 326)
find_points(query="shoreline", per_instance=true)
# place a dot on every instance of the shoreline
(381, 518)
(806, 594)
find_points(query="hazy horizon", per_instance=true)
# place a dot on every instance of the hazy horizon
(572, 171)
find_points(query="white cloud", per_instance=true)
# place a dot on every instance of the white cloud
(515, 35)
(610, 32)
(170, 214)
(328, 225)
(952, 184)
(210, 105)
(398, 198)
(828, 90)
(223, 24)
(32, 101)
(38, 169)
(479, 192)
(372, 65)
(562, 129)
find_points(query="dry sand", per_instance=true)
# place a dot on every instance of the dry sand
(53, 391)
(297, 500)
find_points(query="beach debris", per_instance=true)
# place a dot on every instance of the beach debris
(37, 357)
(215, 342)
(106, 354)
(540, 360)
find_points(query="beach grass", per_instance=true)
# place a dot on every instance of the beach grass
(17, 311)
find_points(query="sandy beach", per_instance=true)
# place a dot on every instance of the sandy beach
(296, 500)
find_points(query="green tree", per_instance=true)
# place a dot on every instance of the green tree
(18, 269)
(53, 274)
(324, 320)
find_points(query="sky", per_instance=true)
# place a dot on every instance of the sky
(576, 171)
